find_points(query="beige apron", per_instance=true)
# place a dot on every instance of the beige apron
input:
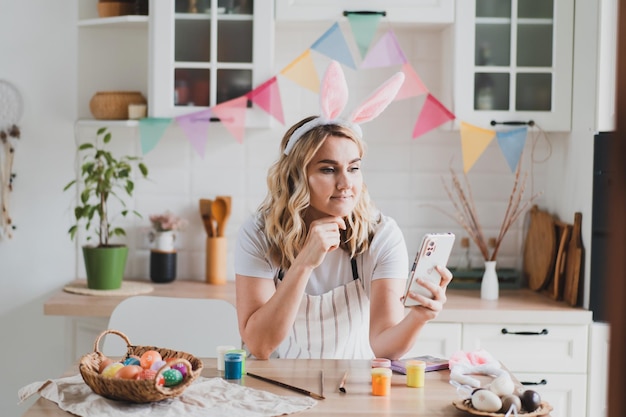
(333, 325)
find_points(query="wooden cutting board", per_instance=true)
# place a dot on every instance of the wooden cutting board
(573, 263)
(539, 249)
(555, 287)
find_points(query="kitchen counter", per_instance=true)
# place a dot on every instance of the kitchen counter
(513, 306)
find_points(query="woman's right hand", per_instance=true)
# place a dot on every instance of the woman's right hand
(323, 237)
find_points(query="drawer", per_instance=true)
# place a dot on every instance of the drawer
(565, 393)
(531, 347)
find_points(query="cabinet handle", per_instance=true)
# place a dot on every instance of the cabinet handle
(530, 123)
(544, 331)
(542, 382)
(363, 12)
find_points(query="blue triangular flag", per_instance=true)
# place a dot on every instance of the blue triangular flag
(333, 44)
(151, 131)
(512, 144)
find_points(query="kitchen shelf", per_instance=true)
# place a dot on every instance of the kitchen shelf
(112, 123)
(128, 22)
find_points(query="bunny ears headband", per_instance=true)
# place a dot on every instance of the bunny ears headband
(333, 99)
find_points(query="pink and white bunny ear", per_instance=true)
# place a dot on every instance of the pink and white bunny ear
(378, 101)
(333, 92)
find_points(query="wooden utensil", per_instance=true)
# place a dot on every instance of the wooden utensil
(206, 212)
(539, 249)
(573, 263)
(221, 213)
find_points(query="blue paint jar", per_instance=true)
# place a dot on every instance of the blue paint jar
(232, 365)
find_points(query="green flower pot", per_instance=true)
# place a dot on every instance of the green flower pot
(105, 266)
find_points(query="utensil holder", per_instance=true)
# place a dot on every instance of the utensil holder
(215, 270)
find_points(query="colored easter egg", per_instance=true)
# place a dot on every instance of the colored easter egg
(181, 368)
(129, 372)
(172, 377)
(111, 370)
(104, 363)
(148, 358)
(157, 365)
(132, 360)
(150, 374)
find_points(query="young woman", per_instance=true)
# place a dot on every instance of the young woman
(320, 273)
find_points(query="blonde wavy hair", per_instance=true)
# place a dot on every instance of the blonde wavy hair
(288, 198)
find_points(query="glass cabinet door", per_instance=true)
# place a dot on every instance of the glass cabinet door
(212, 51)
(514, 61)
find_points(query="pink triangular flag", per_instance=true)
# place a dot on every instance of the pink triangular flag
(433, 114)
(385, 53)
(196, 126)
(267, 97)
(232, 114)
(412, 86)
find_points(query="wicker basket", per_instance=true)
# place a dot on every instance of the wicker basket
(136, 391)
(113, 105)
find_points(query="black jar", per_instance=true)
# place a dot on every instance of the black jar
(162, 266)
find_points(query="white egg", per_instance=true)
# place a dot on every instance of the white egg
(486, 400)
(502, 385)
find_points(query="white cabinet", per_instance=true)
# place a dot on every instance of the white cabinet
(203, 54)
(437, 339)
(548, 358)
(513, 62)
(428, 12)
(182, 61)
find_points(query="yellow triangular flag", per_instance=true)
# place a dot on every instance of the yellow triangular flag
(474, 141)
(302, 72)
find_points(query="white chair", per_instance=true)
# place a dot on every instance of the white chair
(193, 325)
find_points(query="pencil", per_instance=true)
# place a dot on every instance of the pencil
(342, 384)
(322, 382)
(291, 387)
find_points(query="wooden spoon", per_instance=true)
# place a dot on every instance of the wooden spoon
(221, 213)
(206, 212)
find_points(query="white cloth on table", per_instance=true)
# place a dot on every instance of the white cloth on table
(205, 397)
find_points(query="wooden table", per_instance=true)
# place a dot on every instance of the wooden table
(433, 400)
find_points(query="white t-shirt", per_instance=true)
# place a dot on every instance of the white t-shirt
(387, 257)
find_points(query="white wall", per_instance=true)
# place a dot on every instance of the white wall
(38, 54)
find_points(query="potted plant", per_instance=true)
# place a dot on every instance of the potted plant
(103, 177)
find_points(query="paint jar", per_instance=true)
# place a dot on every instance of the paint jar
(415, 373)
(381, 381)
(232, 365)
(381, 363)
(221, 350)
(243, 360)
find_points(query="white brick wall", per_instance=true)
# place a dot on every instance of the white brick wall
(404, 176)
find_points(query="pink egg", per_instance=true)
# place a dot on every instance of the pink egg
(181, 368)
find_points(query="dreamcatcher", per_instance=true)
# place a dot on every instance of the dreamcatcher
(10, 114)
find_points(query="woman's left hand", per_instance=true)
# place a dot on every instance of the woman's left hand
(430, 307)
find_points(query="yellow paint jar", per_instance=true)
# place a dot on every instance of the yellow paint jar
(415, 373)
(381, 381)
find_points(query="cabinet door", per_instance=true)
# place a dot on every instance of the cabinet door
(565, 393)
(513, 62)
(407, 11)
(437, 339)
(206, 52)
(531, 348)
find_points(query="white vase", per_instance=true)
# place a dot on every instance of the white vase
(489, 285)
(163, 241)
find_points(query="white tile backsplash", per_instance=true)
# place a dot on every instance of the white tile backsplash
(403, 175)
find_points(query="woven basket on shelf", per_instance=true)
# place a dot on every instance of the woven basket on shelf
(136, 391)
(113, 105)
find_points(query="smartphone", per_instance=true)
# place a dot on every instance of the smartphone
(434, 250)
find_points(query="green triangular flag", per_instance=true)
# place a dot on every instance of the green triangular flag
(363, 29)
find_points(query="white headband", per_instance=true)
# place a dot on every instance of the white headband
(333, 99)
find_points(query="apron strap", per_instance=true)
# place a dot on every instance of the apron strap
(355, 271)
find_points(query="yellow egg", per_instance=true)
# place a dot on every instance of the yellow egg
(111, 370)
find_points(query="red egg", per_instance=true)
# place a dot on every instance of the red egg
(148, 358)
(129, 372)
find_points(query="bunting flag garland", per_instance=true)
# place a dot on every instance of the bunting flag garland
(232, 114)
(385, 53)
(363, 29)
(433, 114)
(412, 86)
(474, 141)
(302, 71)
(151, 131)
(512, 144)
(267, 97)
(333, 44)
(196, 126)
